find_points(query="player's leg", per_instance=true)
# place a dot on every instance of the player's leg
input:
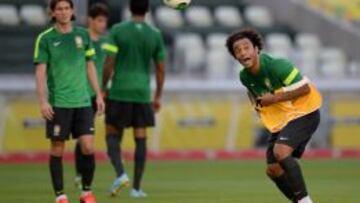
(56, 167)
(117, 117)
(143, 117)
(276, 173)
(88, 163)
(78, 163)
(58, 130)
(292, 138)
(78, 154)
(113, 141)
(140, 159)
(83, 130)
(87, 167)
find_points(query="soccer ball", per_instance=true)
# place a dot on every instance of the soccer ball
(177, 4)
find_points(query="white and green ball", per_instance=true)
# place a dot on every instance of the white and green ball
(177, 4)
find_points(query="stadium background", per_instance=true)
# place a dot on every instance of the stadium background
(205, 108)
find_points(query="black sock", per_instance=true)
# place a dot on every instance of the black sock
(114, 152)
(78, 158)
(140, 158)
(88, 170)
(282, 183)
(56, 172)
(294, 175)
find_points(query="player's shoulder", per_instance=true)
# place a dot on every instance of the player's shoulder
(121, 25)
(243, 75)
(46, 33)
(274, 63)
(103, 38)
(80, 30)
(153, 28)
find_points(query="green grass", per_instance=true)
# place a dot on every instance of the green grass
(189, 182)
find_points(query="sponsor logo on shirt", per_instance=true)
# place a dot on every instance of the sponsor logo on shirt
(56, 44)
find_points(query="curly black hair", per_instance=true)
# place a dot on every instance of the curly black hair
(248, 33)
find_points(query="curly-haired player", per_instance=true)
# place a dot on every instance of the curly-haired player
(288, 105)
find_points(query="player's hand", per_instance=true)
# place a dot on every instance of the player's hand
(100, 104)
(104, 93)
(156, 104)
(46, 110)
(267, 99)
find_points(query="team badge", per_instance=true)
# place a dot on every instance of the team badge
(268, 83)
(57, 130)
(79, 42)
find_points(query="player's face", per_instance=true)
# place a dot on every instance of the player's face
(246, 53)
(98, 24)
(63, 12)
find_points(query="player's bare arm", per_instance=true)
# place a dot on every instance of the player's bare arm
(269, 99)
(45, 108)
(91, 71)
(160, 78)
(108, 70)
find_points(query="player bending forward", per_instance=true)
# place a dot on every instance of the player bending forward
(288, 105)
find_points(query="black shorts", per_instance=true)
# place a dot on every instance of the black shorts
(93, 105)
(295, 134)
(66, 121)
(122, 114)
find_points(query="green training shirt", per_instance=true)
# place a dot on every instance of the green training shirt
(99, 62)
(65, 56)
(274, 74)
(134, 45)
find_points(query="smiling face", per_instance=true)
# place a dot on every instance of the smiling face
(63, 12)
(246, 53)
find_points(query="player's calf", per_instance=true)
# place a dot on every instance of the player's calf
(277, 175)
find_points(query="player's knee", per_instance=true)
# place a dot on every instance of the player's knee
(111, 130)
(57, 153)
(140, 133)
(273, 171)
(57, 148)
(282, 151)
(87, 148)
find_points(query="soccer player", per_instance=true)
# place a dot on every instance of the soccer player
(63, 57)
(132, 46)
(97, 25)
(288, 105)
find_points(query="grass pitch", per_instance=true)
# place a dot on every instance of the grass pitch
(335, 181)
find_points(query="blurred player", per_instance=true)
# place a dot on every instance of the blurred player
(97, 24)
(288, 105)
(63, 57)
(132, 46)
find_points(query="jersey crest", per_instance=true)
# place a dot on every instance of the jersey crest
(79, 42)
